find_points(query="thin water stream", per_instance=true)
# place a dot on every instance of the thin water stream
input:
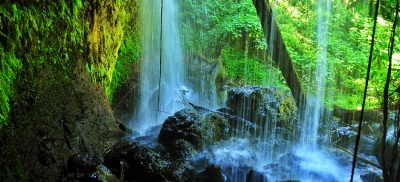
(159, 99)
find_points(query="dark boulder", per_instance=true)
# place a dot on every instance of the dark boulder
(84, 162)
(180, 171)
(179, 149)
(211, 173)
(185, 125)
(197, 128)
(256, 176)
(83, 167)
(135, 162)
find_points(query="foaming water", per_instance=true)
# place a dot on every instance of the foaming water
(238, 156)
(317, 165)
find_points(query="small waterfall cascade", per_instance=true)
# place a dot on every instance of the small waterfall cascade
(314, 159)
(313, 110)
(160, 95)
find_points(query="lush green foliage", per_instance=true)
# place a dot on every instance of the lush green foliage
(229, 30)
(211, 25)
(248, 71)
(349, 36)
(129, 53)
(10, 65)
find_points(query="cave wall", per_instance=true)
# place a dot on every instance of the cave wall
(57, 63)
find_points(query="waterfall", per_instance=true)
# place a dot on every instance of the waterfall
(160, 96)
(313, 111)
(313, 157)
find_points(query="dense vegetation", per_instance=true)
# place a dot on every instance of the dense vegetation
(349, 38)
(229, 31)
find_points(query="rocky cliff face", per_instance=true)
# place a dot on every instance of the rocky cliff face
(66, 52)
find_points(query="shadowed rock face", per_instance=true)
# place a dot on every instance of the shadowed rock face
(255, 176)
(67, 118)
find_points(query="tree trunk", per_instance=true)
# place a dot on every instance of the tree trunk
(278, 51)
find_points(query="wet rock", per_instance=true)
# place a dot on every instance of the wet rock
(255, 176)
(371, 177)
(105, 174)
(84, 162)
(291, 166)
(211, 173)
(194, 127)
(180, 172)
(201, 75)
(185, 125)
(292, 160)
(138, 161)
(126, 129)
(179, 149)
(346, 137)
(266, 107)
(135, 162)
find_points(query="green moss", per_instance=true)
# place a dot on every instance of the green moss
(35, 37)
(287, 108)
(10, 64)
(129, 51)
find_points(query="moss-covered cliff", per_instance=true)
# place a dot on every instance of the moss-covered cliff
(59, 68)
